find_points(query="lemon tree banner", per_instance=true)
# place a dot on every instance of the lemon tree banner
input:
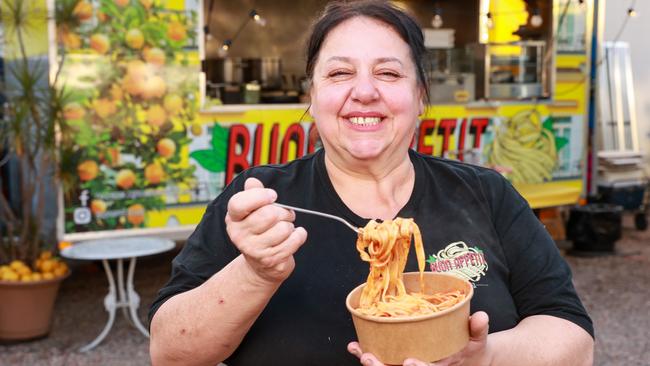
(129, 70)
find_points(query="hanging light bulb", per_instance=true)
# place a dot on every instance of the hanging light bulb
(536, 20)
(436, 21)
(631, 12)
(206, 32)
(489, 22)
(226, 45)
(257, 18)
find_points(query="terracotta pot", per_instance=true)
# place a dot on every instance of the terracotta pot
(26, 308)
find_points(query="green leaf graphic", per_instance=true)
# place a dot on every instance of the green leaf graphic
(432, 259)
(214, 160)
(209, 160)
(219, 137)
(548, 124)
(560, 142)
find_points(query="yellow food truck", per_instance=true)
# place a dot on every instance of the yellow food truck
(168, 100)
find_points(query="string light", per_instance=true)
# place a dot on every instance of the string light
(226, 45)
(257, 18)
(536, 20)
(206, 28)
(436, 21)
(631, 12)
(206, 31)
(489, 22)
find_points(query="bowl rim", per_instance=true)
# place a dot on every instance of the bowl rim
(407, 319)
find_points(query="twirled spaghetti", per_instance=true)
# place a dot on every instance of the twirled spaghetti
(386, 246)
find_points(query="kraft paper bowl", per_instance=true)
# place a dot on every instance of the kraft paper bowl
(424, 337)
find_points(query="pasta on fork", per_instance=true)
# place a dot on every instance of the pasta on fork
(386, 247)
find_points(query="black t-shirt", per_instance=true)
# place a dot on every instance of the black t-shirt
(473, 223)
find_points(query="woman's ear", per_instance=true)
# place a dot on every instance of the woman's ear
(310, 91)
(422, 100)
(421, 111)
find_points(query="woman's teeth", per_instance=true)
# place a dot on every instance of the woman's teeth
(365, 121)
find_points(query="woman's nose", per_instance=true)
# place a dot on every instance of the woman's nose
(364, 89)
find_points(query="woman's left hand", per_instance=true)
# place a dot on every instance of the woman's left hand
(476, 353)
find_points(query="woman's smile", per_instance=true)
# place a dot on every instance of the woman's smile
(364, 121)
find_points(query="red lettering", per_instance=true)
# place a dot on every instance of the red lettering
(426, 127)
(295, 134)
(441, 266)
(448, 265)
(477, 128)
(273, 144)
(257, 144)
(448, 126)
(237, 162)
(461, 139)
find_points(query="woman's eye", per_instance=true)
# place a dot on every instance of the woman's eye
(339, 73)
(389, 74)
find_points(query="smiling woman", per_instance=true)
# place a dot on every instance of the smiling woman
(366, 98)
(251, 287)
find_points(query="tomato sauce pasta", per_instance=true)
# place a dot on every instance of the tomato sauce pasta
(386, 246)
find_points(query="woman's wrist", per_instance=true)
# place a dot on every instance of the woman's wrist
(252, 277)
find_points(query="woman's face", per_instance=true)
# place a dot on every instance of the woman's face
(365, 95)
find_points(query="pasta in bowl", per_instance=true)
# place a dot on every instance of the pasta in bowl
(398, 315)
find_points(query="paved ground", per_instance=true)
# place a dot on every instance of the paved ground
(613, 288)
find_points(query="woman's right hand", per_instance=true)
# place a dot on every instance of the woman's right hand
(263, 233)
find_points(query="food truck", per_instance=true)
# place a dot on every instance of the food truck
(168, 100)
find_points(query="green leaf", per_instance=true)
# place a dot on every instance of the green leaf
(132, 18)
(548, 123)
(432, 259)
(154, 31)
(85, 136)
(219, 137)
(560, 142)
(110, 8)
(209, 160)
(219, 141)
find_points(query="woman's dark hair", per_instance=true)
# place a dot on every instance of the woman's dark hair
(337, 12)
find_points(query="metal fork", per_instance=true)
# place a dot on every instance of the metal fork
(356, 229)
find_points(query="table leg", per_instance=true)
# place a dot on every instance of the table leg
(122, 299)
(110, 305)
(134, 299)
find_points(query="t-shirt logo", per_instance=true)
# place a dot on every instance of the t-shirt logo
(459, 259)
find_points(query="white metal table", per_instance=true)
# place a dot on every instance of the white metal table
(120, 295)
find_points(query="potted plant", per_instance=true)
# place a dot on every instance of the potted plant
(30, 274)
